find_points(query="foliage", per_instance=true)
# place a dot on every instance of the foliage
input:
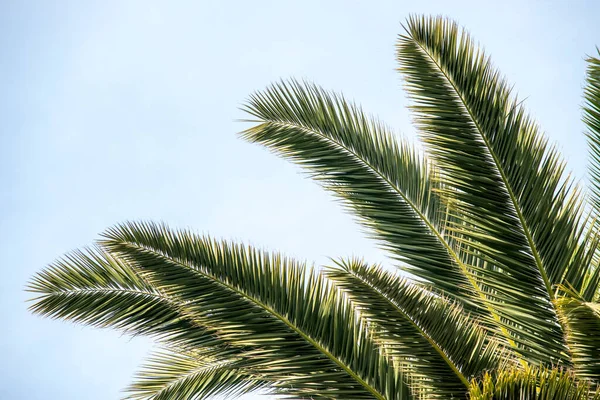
(500, 243)
(531, 384)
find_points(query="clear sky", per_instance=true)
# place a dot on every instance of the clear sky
(116, 110)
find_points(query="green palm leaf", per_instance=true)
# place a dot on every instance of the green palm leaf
(383, 180)
(95, 288)
(308, 340)
(443, 347)
(591, 118)
(582, 319)
(517, 208)
(532, 384)
(176, 374)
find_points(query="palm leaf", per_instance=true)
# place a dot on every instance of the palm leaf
(516, 207)
(306, 338)
(93, 287)
(443, 347)
(531, 384)
(591, 117)
(381, 179)
(582, 319)
(176, 374)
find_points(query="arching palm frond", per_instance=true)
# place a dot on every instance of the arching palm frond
(502, 247)
(591, 117)
(443, 347)
(96, 288)
(383, 180)
(520, 212)
(177, 374)
(307, 339)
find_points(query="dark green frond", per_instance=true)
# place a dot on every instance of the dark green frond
(499, 240)
(516, 207)
(381, 179)
(307, 338)
(591, 117)
(531, 384)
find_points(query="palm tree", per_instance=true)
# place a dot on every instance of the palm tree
(499, 243)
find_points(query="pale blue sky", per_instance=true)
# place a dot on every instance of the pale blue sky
(116, 110)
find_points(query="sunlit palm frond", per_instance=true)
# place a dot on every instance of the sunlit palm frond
(443, 346)
(307, 338)
(591, 118)
(532, 384)
(582, 321)
(177, 374)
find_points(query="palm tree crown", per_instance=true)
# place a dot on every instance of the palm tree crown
(501, 247)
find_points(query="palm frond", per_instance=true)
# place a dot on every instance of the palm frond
(381, 179)
(585, 280)
(582, 321)
(443, 346)
(94, 288)
(517, 208)
(591, 117)
(532, 384)
(307, 338)
(178, 374)
(500, 240)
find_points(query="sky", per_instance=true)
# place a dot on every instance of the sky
(128, 110)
